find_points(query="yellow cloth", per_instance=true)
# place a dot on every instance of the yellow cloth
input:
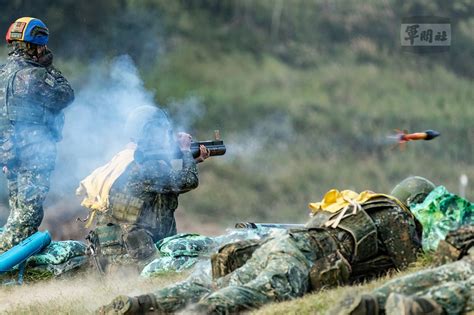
(335, 200)
(96, 187)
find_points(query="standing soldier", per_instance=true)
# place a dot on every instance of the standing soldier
(32, 96)
(134, 196)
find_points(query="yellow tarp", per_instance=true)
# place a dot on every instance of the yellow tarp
(335, 200)
(96, 187)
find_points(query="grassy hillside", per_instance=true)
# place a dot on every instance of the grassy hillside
(294, 133)
(308, 108)
(304, 93)
(84, 293)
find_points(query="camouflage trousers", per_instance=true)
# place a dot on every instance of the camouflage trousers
(27, 192)
(278, 270)
(450, 285)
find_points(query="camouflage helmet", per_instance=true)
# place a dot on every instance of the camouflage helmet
(142, 118)
(412, 190)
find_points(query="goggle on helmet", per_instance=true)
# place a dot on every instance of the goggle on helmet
(28, 30)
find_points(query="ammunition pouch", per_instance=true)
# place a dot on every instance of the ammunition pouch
(125, 208)
(110, 239)
(139, 244)
(369, 269)
(232, 256)
(318, 219)
(362, 229)
(329, 271)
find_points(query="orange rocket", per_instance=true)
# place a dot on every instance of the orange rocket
(403, 137)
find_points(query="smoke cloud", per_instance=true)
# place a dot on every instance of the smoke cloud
(94, 127)
(94, 131)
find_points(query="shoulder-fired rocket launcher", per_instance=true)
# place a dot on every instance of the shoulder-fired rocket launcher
(216, 147)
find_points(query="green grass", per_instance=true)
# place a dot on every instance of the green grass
(83, 293)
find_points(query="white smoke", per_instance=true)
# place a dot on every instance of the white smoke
(94, 131)
(185, 112)
(94, 127)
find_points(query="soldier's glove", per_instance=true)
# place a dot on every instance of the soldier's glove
(128, 305)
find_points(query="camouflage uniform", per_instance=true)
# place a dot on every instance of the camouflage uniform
(142, 204)
(447, 289)
(32, 97)
(379, 236)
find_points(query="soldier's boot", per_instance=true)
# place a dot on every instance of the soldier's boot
(403, 305)
(358, 304)
(123, 304)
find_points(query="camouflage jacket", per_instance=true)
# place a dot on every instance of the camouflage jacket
(146, 196)
(32, 98)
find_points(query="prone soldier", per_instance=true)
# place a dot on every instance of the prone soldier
(447, 289)
(351, 237)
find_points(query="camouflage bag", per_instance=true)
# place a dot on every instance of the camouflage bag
(168, 264)
(58, 252)
(59, 257)
(232, 256)
(183, 251)
(185, 244)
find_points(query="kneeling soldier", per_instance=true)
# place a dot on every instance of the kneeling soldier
(135, 195)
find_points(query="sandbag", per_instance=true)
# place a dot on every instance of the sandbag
(58, 252)
(184, 244)
(182, 251)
